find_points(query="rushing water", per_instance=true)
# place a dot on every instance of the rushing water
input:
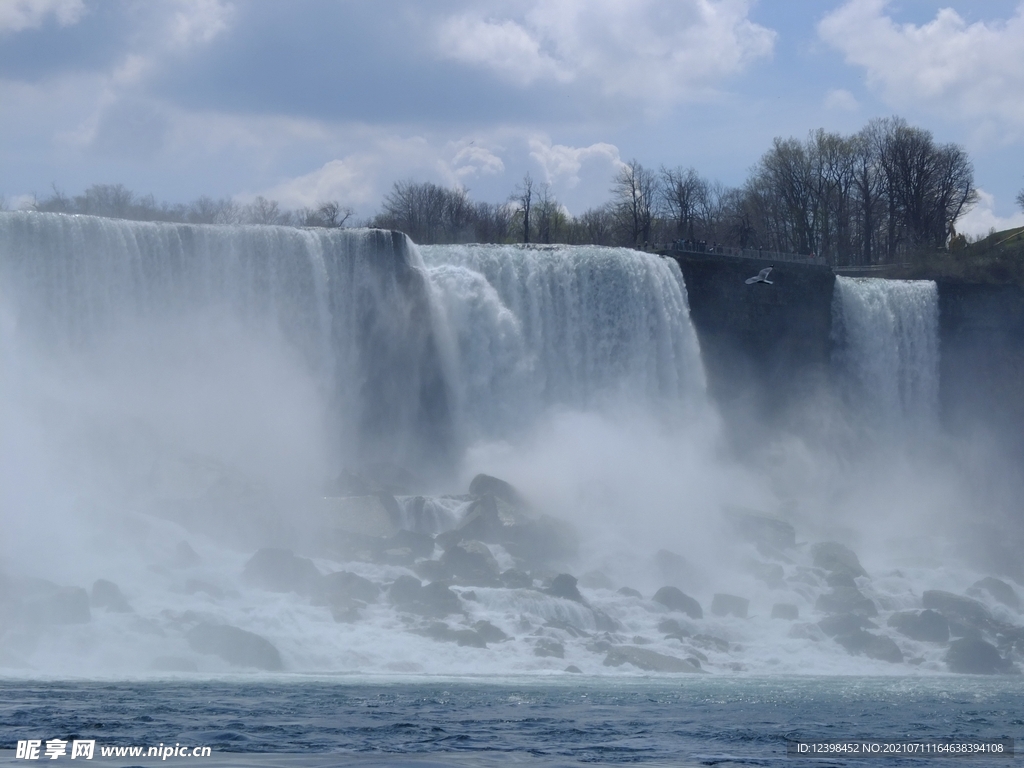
(174, 398)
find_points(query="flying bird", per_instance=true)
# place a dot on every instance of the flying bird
(762, 277)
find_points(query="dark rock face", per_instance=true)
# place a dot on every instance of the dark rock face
(844, 624)
(729, 605)
(757, 528)
(574, 669)
(342, 587)
(674, 599)
(235, 646)
(786, 611)
(927, 626)
(973, 656)
(489, 632)
(471, 563)
(845, 600)
(106, 594)
(435, 600)
(564, 586)
(547, 647)
(648, 660)
(966, 616)
(999, 590)
(841, 579)
(861, 642)
(280, 570)
(483, 485)
(837, 558)
(516, 579)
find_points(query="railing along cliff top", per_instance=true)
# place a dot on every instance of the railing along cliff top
(685, 246)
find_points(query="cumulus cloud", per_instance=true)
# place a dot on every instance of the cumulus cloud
(17, 15)
(563, 164)
(974, 71)
(982, 218)
(655, 50)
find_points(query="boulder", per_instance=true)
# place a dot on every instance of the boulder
(729, 605)
(844, 624)
(489, 632)
(630, 592)
(927, 626)
(758, 528)
(564, 586)
(966, 616)
(973, 656)
(404, 548)
(771, 574)
(863, 643)
(546, 647)
(648, 660)
(835, 557)
(674, 568)
(786, 611)
(484, 485)
(280, 570)
(536, 541)
(846, 600)
(235, 646)
(672, 628)
(462, 637)
(841, 579)
(710, 643)
(574, 669)
(106, 594)
(596, 580)
(435, 600)
(674, 599)
(471, 563)
(999, 590)
(341, 588)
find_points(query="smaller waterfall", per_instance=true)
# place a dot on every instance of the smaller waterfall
(886, 335)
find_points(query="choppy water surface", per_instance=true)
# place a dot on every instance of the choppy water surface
(743, 721)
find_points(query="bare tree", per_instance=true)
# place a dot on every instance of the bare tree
(523, 195)
(1020, 199)
(685, 196)
(635, 192)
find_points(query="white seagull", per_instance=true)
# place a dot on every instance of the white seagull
(762, 277)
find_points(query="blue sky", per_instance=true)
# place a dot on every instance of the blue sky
(308, 100)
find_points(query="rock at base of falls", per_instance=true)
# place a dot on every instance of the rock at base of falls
(846, 600)
(862, 642)
(835, 557)
(106, 594)
(435, 600)
(926, 626)
(729, 605)
(235, 646)
(973, 656)
(648, 660)
(280, 570)
(675, 599)
(785, 611)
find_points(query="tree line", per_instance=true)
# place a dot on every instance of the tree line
(874, 197)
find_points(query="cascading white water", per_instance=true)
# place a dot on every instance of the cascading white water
(886, 334)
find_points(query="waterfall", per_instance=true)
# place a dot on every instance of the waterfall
(886, 335)
(413, 360)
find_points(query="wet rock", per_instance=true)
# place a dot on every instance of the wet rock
(844, 624)
(672, 628)
(841, 579)
(462, 637)
(574, 669)
(999, 590)
(403, 548)
(566, 627)
(771, 574)
(471, 563)
(973, 656)
(629, 592)
(673, 567)
(280, 570)
(235, 646)
(546, 647)
(435, 600)
(729, 605)
(710, 643)
(965, 616)
(342, 587)
(836, 558)
(675, 599)
(489, 632)
(757, 528)
(532, 540)
(863, 643)
(564, 586)
(785, 611)
(846, 600)
(927, 626)
(173, 664)
(431, 570)
(648, 660)
(516, 579)
(106, 594)
(596, 580)
(604, 622)
(483, 485)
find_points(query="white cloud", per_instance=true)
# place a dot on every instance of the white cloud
(471, 159)
(952, 68)
(841, 100)
(563, 164)
(982, 219)
(198, 22)
(18, 15)
(652, 50)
